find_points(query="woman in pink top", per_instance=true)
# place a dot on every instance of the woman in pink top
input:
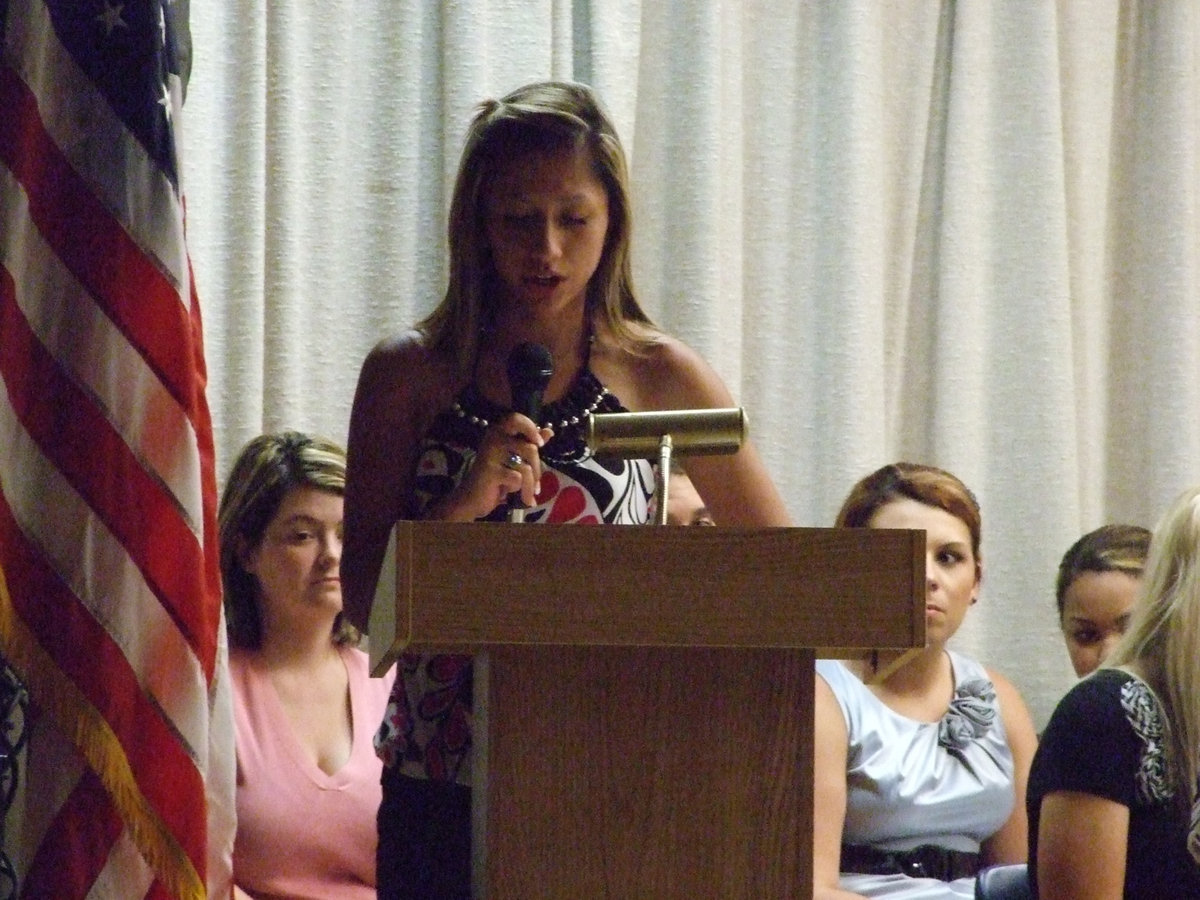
(305, 706)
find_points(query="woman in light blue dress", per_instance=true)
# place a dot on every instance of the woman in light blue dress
(920, 760)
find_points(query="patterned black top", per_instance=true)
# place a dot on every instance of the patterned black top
(1106, 738)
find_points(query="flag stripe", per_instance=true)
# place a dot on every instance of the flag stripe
(207, 461)
(132, 740)
(163, 839)
(88, 826)
(137, 623)
(125, 874)
(72, 434)
(99, 358)
(55, 618)
(132, 291)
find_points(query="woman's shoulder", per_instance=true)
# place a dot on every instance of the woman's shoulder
(356, 659)
(1103, 685)
(660, 372)
(967, 669)
(1096, 743)
(1138, 703)
(832, 669)
(1015, 712)
(247, 676)
(1097, 704)
(403, 366)
(662, 352)
(406, 353)
(841, 678)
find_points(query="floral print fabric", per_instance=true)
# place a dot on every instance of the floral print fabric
(427, 726)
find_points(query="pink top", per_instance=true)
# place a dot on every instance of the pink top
(302, 833)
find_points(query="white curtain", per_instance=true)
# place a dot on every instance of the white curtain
(963, 233)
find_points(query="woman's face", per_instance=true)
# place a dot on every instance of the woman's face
(951, 574)
(1096, 611)
(546, 219)
(297, 561)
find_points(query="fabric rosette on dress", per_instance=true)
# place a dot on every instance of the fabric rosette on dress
(971, 714)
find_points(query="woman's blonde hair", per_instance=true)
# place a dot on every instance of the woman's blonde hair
(1163, 640)
(544, 117)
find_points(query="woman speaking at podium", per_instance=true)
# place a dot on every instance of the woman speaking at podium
(920, 763)
(539, 244)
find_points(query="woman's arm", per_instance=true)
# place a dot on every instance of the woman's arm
(829, 793)
(380, 455)
(1081, 847)
(400, 389)
(1011, 843)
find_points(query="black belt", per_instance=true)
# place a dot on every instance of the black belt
(926, 861)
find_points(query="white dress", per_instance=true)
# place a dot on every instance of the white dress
(909, 783)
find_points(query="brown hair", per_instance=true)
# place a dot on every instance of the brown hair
(267, 469)
(925, 484)
(1110, 548)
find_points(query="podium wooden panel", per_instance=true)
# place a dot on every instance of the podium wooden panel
(643, 718)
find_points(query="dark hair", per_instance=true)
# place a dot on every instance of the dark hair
(267, 469)
(925, 484)
(1110, 548)
(543, 117)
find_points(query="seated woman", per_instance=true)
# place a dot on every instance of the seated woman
(920, 761)
(1112, 793)
(305, 707)
(1097, 586)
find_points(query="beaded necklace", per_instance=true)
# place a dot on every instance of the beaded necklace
(567, 415)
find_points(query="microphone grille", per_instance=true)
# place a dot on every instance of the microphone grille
(530, 366)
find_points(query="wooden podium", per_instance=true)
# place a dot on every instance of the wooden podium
(643, 705)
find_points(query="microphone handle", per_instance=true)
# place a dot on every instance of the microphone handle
(528, 404)
(530, 367)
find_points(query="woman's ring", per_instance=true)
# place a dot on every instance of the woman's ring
(514, 461)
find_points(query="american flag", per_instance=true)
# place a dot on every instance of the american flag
(110, 606)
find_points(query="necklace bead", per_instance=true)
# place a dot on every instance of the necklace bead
(560, 425)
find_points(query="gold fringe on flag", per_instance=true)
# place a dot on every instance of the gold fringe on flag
(95, 740)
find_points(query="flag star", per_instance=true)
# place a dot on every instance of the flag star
(165, 102)
(111, 17)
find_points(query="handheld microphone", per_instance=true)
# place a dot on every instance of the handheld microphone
(529, 369)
